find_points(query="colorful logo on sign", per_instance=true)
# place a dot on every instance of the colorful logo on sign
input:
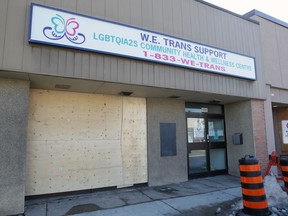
(62, 28)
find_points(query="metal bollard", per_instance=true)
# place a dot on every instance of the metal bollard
(284, 169)
(253, 192)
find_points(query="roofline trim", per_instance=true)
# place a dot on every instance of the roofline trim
(227, 11)
(265, 16)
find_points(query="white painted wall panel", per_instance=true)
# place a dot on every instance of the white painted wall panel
(82, 141)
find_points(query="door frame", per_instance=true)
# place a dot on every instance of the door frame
(207, 146)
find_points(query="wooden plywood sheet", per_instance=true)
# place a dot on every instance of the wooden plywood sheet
(66, 166)
(73, 142)
(69, 116)
(82, 141)
(134, 141)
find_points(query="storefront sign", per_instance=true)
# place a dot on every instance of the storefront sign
(285, 131)
(66, 29)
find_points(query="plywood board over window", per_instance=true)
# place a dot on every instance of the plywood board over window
(81, 141)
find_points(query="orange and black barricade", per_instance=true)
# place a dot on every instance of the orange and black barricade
(253, 192)
(284, 168)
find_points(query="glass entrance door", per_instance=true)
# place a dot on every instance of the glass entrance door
(197, 145)
(216, 145)
(206, 145)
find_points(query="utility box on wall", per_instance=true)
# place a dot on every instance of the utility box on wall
(168, 139)
(237, 138)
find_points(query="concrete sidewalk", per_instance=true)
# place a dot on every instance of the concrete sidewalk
(194, 197)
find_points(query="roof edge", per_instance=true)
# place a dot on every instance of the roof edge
(265, 16)
(227, 11)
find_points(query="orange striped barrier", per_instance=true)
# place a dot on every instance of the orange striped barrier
(253, 192)
(284, 168)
